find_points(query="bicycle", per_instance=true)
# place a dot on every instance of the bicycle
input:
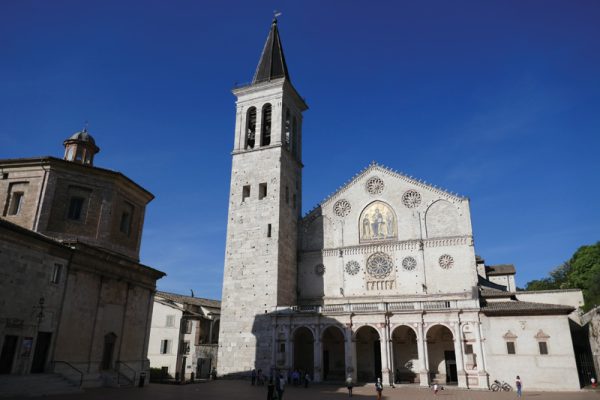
(500, 385)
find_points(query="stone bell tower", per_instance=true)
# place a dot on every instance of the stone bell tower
(264, 208)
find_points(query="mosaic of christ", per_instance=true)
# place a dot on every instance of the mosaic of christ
(377, 222)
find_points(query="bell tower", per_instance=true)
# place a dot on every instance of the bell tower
(264, 207)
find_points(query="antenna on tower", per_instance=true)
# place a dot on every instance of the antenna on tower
(276, 14)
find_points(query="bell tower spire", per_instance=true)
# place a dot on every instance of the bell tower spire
(264, 208)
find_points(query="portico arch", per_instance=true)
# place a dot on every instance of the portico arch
(441, 355)
(334, 354)
(303, 350)
(368, 354)
(406, 355)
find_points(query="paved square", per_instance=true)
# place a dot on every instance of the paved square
(229, 389)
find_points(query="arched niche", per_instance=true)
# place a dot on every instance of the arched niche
(377, 222)
(442, 219)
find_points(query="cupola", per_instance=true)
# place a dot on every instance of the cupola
(81, 148)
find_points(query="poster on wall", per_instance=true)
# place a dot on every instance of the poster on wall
(26, 346)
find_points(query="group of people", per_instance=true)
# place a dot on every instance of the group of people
(276, 384)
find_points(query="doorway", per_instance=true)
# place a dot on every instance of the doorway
(9, 348)
(109, 348)
(451, 373)
(368, 354)
(42, 344)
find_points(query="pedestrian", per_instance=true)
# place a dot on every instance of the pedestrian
(397, 376)
(594, 384)
(435, 388)
(253, 377)
(270, 389)
(349, 385)
(306, 379)
(259, 378)
(379, 388)
(519, 386)
(280, 387)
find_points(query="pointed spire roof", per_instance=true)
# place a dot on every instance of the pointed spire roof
(272, 62)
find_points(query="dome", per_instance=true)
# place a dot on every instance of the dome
(83, 136)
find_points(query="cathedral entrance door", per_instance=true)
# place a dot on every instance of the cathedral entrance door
(109, 346)
(41, 352)
(368, 354)
(7, 356)
(451, 374)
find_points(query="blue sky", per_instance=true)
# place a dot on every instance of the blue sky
(496, 100)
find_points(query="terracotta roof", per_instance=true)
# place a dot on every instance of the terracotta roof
(489, 292)
(501, 269)
(524, 308)
(196, 301)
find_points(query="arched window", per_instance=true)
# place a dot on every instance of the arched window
(250, 127)
(287, 129)
(266, 125)
(294, 137)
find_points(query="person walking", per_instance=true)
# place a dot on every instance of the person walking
(280, 387)
(379, 388)
(253, 377)
(270, 389)
(306, 379)
(349, 385)
(519, 386)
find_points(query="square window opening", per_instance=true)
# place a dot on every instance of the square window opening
(75, 208)
(282, 347)
(245, 192)
(468, 349)
(126, 218)
(262, 191)
(543, 347)
(165, 346)
(170, 321)
(16, 202)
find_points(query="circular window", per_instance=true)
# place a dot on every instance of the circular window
(411, 198)
(352, 267)
(319, 269)
(379, 265)
(341, 208)
(374, 185)
(409, 263)
(446, 261)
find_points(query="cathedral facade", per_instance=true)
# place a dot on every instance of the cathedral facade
(381, 279)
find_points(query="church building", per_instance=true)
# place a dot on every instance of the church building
(381, 279)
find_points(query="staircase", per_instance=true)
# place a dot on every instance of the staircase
(35, 385)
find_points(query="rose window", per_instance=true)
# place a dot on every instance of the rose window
(342, 208)
(379, 265)
(446, 261)
(411, 198)
(319, 269)
(409, 263)
(374, 185)
(352, 267)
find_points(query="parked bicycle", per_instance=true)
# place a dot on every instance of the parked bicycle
(500, 385)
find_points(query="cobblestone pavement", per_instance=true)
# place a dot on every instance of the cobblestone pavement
(229, 389)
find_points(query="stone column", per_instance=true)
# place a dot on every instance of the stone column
(383, 345)
(481, 371)
(422, 351)
(460, 363)
(317, 351)
(349, 351)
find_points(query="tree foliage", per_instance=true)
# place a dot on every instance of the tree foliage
(582, 271)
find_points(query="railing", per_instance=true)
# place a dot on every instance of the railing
(119, 373)
(379, 307)
(72, 368)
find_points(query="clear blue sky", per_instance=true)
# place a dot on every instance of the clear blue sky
(496, 100)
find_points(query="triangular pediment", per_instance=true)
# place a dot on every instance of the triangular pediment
(378, 170)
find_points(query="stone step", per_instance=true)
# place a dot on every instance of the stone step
(35, 385)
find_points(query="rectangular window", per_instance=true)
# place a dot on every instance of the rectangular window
(165, 346)
(185, 347)
(245, 192)
(510, 347)
(75, 208)
(55, 278)
(170, 321)
(262, 191)
(5, 175)
(468, 349)
(543, 347)
(188, 326)
(282, 347)
(15, 203)
(269, 230)
(126, 217)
